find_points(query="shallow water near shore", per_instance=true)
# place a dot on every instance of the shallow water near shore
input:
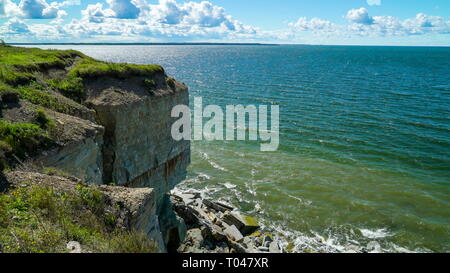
(365, 139)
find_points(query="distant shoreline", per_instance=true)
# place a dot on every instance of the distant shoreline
(227, 44)
(182, 44)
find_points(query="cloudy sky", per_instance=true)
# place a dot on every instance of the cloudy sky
(377, 22)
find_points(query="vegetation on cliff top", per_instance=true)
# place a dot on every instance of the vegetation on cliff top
(41, 220)
(53, 79)
(27, 71)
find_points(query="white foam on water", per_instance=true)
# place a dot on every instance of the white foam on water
(306, 203)
(375, 234)
(212, 163)
(229, 185)
(203, 176)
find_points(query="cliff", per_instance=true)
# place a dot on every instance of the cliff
(99, 123)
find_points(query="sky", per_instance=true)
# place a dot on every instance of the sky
(343, 22)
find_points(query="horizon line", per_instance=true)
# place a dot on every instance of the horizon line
(214, 43)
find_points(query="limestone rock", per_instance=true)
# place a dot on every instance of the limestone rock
(74, 247)
(245, 224)
(233, 233)
(216, 206)
(274, 248)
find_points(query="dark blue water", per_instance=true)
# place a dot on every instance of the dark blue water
(365, 139)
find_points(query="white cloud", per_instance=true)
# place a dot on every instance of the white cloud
(168, 18)
(16, 26)
(362, 24)
(137, 20)
(374, 2)
(124, 9)
(167, 12)
(360, 16)
(315, 25)
(34, 9)
(8, 9)
(96, 13)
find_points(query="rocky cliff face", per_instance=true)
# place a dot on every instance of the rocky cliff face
(126, 138)
(133, 146)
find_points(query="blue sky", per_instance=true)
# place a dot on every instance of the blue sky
(377, 22)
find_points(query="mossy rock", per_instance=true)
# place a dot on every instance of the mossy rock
(250, 224)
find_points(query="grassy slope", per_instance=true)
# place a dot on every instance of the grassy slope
(24, 74)
(41, 220)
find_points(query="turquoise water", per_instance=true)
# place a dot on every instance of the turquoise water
(365, 139)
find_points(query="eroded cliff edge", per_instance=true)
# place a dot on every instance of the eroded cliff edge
(103, 123)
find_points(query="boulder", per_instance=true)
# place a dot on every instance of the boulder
(274, 248)
(233, 233)
(73, 247)
(213, 233)
(245, 224)
(216, 206)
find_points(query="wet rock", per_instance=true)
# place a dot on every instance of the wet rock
(267, 239)
(216, 206)
(188, 198)
(74, 247)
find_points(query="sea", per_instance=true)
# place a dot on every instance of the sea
(364, 154)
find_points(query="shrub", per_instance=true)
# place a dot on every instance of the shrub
(24, 138)
(41, 118)
(71, 87)
(42, 98)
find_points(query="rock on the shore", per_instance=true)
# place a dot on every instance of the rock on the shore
(218, 228)
(73, 247)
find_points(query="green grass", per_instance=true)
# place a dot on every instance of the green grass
(89, 68)
(24, 71)
(33, 59)
(41, 220)
(41, 118)
(24, 139)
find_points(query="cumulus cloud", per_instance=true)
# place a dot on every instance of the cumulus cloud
(16, 26)
(363, 24)
(315, 25)
(96, 13)
(360, 16)
(374, 2)
(124, 9)
(137, 20)
(8, 9)
(167, 18)
(35, 9)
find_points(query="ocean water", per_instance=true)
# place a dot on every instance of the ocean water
(364, 131)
